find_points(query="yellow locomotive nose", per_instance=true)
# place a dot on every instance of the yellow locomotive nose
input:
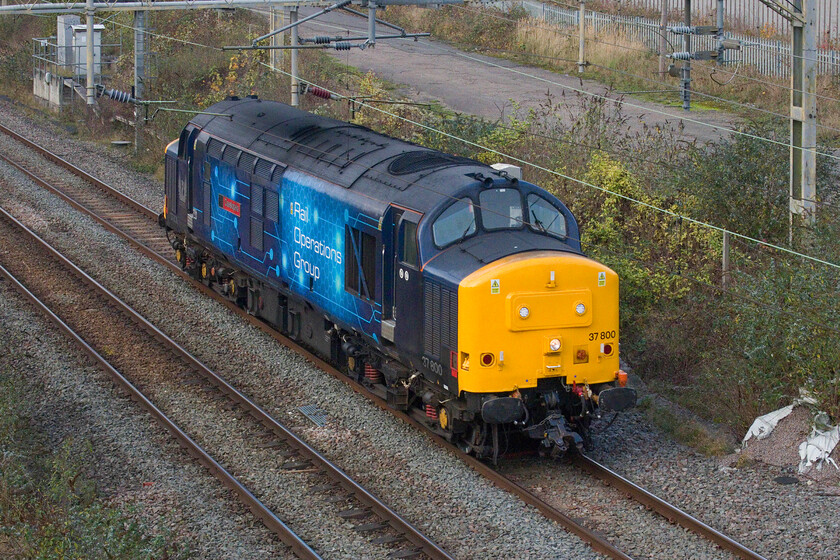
(537, 315)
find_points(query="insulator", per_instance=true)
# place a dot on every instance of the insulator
(117, 95)
(322, 39)
(318, 92)
(680, 55)
(342, 46)
(431, 412)
(681, 29)
(372, 374)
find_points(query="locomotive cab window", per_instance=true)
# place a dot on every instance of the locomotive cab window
(500, 209)
(408, 244)
(456, 222)
(545, 217)
(360, 264)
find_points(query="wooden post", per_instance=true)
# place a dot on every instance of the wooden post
(803, 113)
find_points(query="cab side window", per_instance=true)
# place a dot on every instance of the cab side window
(408, 244)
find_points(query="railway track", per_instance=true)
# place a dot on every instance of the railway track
(153, 368)
(142, 217)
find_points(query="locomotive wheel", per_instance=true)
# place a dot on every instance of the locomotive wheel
(204, 271)
(181, 257)
(351, 363)
(232, 287)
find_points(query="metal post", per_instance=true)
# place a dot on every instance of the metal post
(139, 75)
(725, 275)
(90, 85)
(582, 46)
(293, 57)
(276, 40)
(371, 40)
(803, 113)
(721, 51)
(663, 42)
(686, 67)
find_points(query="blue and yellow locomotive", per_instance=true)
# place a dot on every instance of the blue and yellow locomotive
(456, 291)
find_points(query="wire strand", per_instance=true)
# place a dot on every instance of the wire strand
(664, 211)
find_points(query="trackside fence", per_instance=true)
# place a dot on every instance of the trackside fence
(768, 56)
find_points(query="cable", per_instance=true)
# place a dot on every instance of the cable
(764, 244)
(653, 267)
(557, 173)
(672, 89)
(587, 184)
(168, 38)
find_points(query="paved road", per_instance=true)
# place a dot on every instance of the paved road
(484, 86)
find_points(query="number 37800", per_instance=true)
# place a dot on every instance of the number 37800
(603, 335)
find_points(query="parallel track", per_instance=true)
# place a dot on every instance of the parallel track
(596, 541)
(268, 517)
(305, 457)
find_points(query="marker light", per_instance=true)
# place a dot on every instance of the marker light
(524, 312)
(580, 309)
(554, 344)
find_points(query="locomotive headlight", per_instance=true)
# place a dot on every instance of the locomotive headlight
(554, 344)
(524, 312)
(580, 309)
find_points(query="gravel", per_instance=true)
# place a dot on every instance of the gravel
(433, 489)
(464, 513)
(235, 439)
(136, 464)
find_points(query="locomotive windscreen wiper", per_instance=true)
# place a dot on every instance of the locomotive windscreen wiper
(538, 222)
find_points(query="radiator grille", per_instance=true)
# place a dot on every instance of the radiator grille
(246, 162)
(263, 169)
(171, 172)
(257, 234)
(214, 148)
(231, 155)
(441, 319)
(208, 197)
(272, 206)
(257, 200)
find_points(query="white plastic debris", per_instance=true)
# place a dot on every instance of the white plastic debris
(817, 449)
(763, 425)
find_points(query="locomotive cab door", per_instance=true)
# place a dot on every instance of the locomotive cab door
(184, 190)
(403, 310)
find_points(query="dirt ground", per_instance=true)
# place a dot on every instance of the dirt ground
(781, 448)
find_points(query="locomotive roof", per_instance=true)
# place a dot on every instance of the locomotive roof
(382, 169)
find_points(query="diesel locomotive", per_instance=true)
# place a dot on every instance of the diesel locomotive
(457, 292)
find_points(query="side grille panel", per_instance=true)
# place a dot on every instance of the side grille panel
(441, 319)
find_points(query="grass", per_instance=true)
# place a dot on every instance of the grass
(684, 429)
(49, 508)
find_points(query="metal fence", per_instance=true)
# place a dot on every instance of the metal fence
(769, 57)
(750, 14)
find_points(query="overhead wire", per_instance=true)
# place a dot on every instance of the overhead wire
(605, 190)
(753, 301)
(653, 266)
(557, 173)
